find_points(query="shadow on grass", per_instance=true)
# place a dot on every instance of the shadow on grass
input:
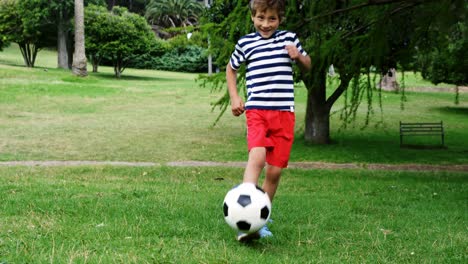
(103, 75)
(125, 77)
(423, 146)
(10, 63)
(453, 110)
(380, 148)
(15, 64)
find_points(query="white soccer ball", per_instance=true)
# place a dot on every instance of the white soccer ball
(246, 208)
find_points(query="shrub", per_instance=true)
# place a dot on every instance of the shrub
(176, 54)
(184, 59)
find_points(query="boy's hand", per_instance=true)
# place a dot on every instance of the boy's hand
(293, 52)
(237, 106)
(303, 61)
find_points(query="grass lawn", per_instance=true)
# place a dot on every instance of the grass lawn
(48, 114)
(160, 214)
(174, 215)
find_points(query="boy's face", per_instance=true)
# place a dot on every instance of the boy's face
(266, 22)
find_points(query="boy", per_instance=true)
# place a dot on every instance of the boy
(269, 54)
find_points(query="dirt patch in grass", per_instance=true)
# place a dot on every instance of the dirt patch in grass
(292, 165)
(326, 165)
(461, 89)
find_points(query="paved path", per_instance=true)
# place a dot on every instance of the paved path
(294, 165)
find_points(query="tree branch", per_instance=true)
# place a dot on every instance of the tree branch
(344, 83)
(395, 11)
(366, 4)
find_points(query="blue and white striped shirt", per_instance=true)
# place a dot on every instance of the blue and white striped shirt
(269, 74)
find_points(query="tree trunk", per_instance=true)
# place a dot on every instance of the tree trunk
(317, 123)
(117, 71)
(117, 67)
(29, 52)
(62, 48)
(95, 65)
(110, 4)
(388, 82)
(95, 60)
(25, 52)
(70, 48)
(79, 57)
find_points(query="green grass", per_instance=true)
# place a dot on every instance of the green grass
(104, 214)
(48, 114)
(174, 215)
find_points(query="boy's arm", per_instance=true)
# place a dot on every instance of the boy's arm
(237, 105)
(304, 62)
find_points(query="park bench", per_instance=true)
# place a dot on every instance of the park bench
(422, 129)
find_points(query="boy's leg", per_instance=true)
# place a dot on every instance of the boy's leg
(255, 165)
(278, 156)
(272, 178)
(270, 184)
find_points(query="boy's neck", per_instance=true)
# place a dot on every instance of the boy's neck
(272, 35)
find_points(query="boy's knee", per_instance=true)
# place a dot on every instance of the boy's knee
(257, 156)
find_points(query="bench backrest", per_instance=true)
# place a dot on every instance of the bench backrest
(422, 127)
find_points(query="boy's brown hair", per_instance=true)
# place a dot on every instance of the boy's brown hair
(263, 5)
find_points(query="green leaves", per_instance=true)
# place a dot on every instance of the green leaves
(173, 13)
(117, 35)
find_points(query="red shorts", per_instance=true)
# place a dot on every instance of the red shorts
(273, 130)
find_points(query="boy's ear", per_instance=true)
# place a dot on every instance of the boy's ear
(252, 17)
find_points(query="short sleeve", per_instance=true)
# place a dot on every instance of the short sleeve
(237, 57)
(298, 45)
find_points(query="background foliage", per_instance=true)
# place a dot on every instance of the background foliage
(358, 37)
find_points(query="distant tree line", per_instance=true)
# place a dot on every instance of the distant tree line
(114, 35)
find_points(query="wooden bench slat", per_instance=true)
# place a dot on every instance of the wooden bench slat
(438, 130)
(420, 124)
(421, 129)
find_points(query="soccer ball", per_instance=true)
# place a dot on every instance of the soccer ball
(246, 208)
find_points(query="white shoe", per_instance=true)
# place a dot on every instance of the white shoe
(244, 237)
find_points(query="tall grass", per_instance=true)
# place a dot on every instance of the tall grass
(174, 215)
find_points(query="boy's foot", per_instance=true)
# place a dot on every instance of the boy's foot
(244, 237)
(262, 233)
(265, 232)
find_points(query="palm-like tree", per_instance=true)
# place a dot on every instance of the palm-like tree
(173, 13)
(79, 56)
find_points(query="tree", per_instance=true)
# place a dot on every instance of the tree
(8, 22)
(95, 22)
(35, 24)
(355, 36)
(135, 6)
(25, 23)
(79, 56)
(117, 35)
(61, 13)
(446, 62)
(173, 13)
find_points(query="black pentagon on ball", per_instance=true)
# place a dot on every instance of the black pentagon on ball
(244, 200)
(265, 212)
(243, 225)
(225, 209)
